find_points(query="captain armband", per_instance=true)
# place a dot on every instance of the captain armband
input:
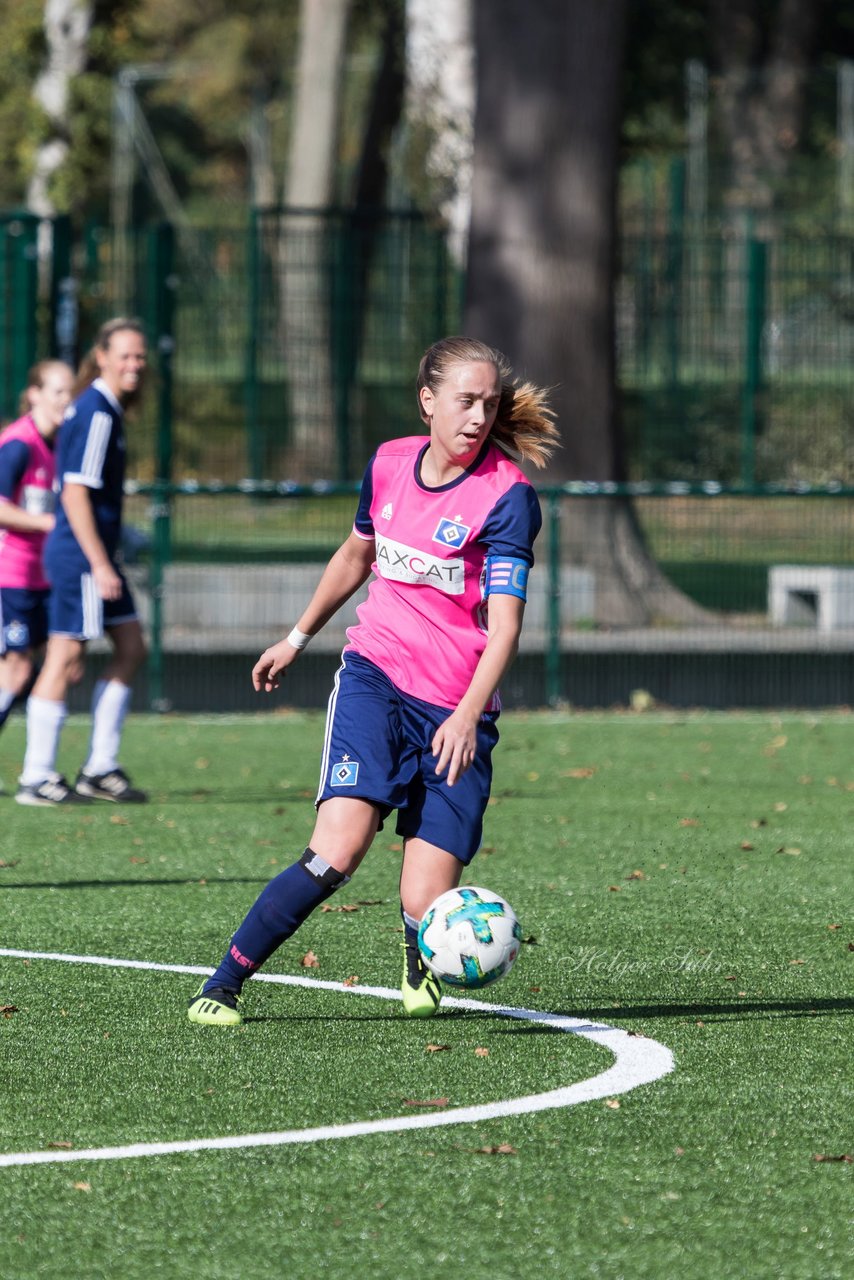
(507, 576)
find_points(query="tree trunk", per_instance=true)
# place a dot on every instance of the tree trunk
(541, 262)
(304, 252)
(66, 25)
(440, 61)
(761, 92)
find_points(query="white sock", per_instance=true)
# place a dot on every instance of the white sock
(110, 702)
(44, 725)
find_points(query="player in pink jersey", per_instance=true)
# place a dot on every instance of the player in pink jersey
(446, 522)
(27, 474)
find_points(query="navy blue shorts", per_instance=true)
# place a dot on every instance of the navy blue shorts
(76, 610)
(377, 748)
(23, 619)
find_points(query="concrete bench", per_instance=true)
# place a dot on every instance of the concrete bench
(821, 596)
(258, 602)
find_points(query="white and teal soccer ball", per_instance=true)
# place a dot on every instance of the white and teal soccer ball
(469, 937)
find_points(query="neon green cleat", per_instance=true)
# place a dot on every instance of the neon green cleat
(218, 1007)
(419, 988)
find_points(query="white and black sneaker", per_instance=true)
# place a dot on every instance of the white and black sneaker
(48, 793)
(115, 786)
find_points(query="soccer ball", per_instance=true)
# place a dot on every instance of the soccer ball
(469, 937)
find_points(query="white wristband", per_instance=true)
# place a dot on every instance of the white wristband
(298, 639)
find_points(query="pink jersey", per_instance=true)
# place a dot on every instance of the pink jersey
(439, 554)
(27, 472)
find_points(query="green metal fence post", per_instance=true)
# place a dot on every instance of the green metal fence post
(752, 385)
(254, 442)
(675, 244)
(63, 313)
(162, 260)
(553, 616)
(19, 279)
(343, 325)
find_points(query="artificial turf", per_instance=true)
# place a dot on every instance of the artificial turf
(685, 877)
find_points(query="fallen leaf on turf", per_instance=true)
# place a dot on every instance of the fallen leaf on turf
(636, 875)
(688, 822)
(584, 772)
(345, 906)
(481, 1053)
(640, 1034)
(8, 1009)
(759, 822)
(843, 1159)
(82, 1186)
(613, 888)
(535, 989)
(119, 821)
(780, 806)
(679, 1151)
(436, 1048)
(351, 981)
(851, 946)
(425, 1102)
(503, 1149)
(530, 941)
(745, 844)
(613, 1103)
(4, 863)
(834, 926)
(60, 1146)
(793, 853)
(140, 861)
(370, 902)
(310, 961)
(797, 962)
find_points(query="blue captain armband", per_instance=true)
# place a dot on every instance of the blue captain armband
(507, 576)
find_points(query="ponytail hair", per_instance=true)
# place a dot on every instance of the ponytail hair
(524, 426)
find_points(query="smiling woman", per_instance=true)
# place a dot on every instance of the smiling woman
(89, 592)
(446, 524)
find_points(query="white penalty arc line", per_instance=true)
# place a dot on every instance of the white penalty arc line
(637, 1060)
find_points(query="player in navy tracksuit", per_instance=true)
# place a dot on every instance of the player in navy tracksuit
(89, 593)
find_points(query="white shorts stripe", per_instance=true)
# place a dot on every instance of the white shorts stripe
(93, 608)
(330, 716)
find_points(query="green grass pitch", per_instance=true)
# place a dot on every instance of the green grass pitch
(684, 877)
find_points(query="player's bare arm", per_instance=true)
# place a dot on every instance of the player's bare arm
(455, 739)
(349, 569)
(20, 521)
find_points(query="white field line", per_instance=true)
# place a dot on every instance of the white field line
(637, 1060)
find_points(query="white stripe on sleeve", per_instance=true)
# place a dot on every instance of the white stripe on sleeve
(96, 446)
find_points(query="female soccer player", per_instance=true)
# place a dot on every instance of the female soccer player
(27, 472)
(447, 524)
(89, 593)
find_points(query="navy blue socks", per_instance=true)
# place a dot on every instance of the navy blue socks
(278, 912)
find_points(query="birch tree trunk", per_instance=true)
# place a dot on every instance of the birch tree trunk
(67, 24)
(440, 67)
(303, 257)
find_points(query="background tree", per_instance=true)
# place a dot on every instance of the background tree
(542, 253)
(67, 24)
